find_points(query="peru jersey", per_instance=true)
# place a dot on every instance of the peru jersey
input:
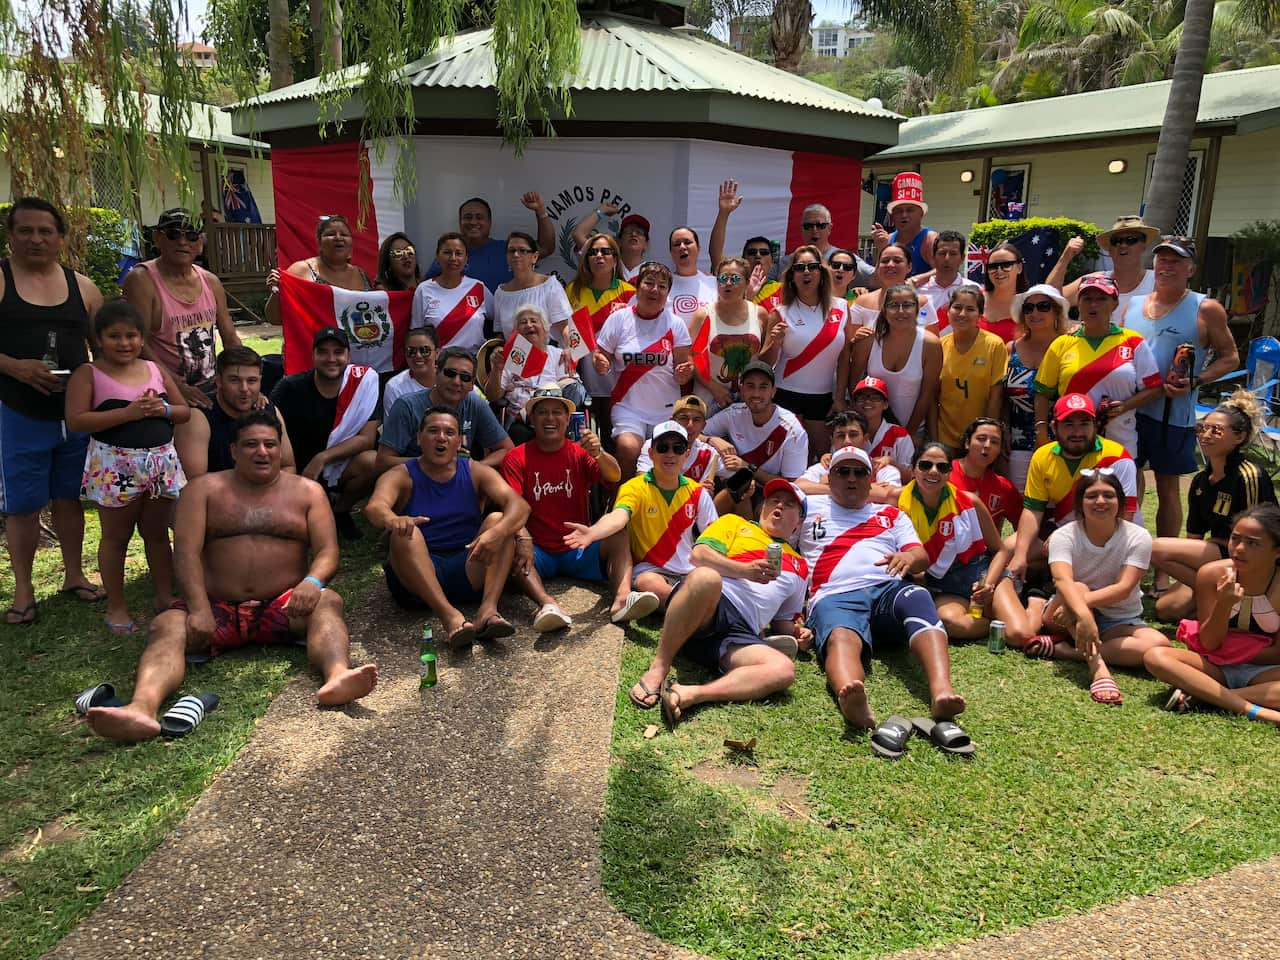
(644, 354)
(458, 314)
(953, 536)
(781, 446)
(760, 604)
(894, 442)
(813, 345)
(661, 531)
(1052, 479)
(854, 540)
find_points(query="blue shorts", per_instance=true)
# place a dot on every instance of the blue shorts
(569, 564)
(451, 571)
(891, 612)
(727, 628)
(38, 461)
(1242, 674)
(959, 580)
(1165, 449)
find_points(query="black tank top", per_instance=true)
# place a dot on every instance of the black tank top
(24, 335)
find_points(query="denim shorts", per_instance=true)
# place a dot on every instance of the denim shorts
(1239, 675)
(959, 580)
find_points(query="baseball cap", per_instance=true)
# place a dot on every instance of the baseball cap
(872, 383)
(638, 220)
(777, 483)
(758, 366)
(1073, 403)
(175, 217)
(669, 426)
(549, 392)
(845, 454)
(691, 402)
(330, 333)
(1098, 281)
(1184, 247)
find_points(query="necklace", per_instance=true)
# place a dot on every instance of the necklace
(1152, 315)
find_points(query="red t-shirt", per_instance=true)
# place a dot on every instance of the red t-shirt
(1005, 329)
(556, 485)
(997, 493)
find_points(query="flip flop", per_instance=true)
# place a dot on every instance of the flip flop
(95, 593)
(464, 636)
(945, 735)
(1178, 702)
(187, 714)
(784, 643)
(121, 629)
(22, 620)
(103, 695)
(640, 603)
(496, 629)
(670, 700)
(551, 617)
(1041, 646)
(890, 738)
(1104, 691)
(648, 701)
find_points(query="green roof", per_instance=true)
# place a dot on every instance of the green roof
(1235, 101)
(629, 69)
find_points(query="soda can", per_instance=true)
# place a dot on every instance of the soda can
(577, 423)
(773, 553)
(995, 639)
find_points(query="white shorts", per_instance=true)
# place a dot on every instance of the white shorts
(627, 420)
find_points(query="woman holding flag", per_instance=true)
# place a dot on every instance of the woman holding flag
(596, 292)
(331, 266)
(455, 304)
(530, 362)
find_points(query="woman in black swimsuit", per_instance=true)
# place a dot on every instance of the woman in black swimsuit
(331, 265)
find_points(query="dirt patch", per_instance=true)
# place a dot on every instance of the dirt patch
(790, 793)
(19, 770)
(786, 797)
(738, 775)
(55, 831)
(8, 889)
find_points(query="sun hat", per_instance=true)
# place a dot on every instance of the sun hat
(1128, 224)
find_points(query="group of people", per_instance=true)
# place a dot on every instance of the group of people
(820, 453)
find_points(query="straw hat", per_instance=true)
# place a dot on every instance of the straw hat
(1128, 224)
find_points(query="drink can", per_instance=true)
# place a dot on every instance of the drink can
(995, 639)
(773, 553)
(427, 676)
(1184, 360)
(577, 423)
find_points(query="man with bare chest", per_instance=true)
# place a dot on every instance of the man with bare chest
(253, 548)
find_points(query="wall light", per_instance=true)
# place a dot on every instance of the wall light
(1117, 166)
(966, 176)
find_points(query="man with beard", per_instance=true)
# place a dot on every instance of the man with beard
(330, 412)
(182, 304)
(204, 442)
(253, 549)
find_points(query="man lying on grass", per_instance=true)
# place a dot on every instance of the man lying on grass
(252, 548)
(717, 616)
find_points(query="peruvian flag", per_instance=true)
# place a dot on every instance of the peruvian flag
(579, 338)
(375, 321)
(524, 359)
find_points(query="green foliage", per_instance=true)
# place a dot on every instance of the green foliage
(991, 232)
(102, 245)
(1259, 240)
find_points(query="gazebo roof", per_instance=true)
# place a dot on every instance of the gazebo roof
(631, 72)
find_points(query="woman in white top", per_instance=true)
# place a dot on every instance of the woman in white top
(807, 338)
(1097, 564)
(420, 346)
(893, 263)
(527, 286)
(515, 386)
(455, 304)
(727, 333)
(906, 356)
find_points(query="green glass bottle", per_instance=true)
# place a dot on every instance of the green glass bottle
(428, 658)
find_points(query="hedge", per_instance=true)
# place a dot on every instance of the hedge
(991, 232)
(105, 247)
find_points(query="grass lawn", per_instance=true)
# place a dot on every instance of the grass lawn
(810, 846)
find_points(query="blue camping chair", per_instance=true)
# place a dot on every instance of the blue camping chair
(1260, 376)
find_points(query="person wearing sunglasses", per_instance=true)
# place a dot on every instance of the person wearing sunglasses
(1003, 282)
(527, 287)
(456, 304)
(482, 435)
(844, 272)
(398, 264)
(893, 264)
(1126, 244)
(1112, 365)
(1055, 471)
(1037, 329)
(975, 471)
(903, 355)
(967, 556)
(662, 510)
(727, 333)
(597, 291)
(420, 346)
(863, 556)
(183, 305)
(1098, 563)
(974, 365)
(1229, 483)
(633, 235)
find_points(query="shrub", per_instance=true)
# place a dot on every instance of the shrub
(103, 248)
(991, 232)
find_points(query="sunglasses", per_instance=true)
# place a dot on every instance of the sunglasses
(1040, 306)
(1211, 430)
(419, 351)
(177, 233)
(453, 373)
(671, 446)
(757, 252)
(519, 251)
(729, 278)
(601, 252)
(860, 472)
(1097, 472)
(816, 225)
(404, 253)
(805, 267)
(841, 265)
(928, 466)
(1128, 240)
(1001, 265)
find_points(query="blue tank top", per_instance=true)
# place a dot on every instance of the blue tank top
(918, 263)
(453, 507)
(1163, 337)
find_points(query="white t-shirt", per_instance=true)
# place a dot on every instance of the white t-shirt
(398, 386)
(649, 345)
(850, 542)
(940, 296)
(458, 314)
(690, 293)
(1098, 567)
(781, 446)
(548, 295)
(811, 373)
(1146, 285)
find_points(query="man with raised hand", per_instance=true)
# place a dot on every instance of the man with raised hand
(487, 255)
(1126, 243)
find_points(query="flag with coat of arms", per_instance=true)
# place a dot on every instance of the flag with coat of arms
(375, 321)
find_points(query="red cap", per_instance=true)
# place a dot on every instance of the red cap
(1073, 403)
(638, 220)
(1098, 281)
(872, 383)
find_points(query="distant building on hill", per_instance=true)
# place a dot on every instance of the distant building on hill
(838, 40)
(200, 54)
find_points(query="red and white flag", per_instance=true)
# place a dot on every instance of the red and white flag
(579, 338)
(375, 321)
(524, 359)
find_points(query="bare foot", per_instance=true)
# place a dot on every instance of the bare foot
(347, 686)
(947, 704)
(852, 698)
(123, 723)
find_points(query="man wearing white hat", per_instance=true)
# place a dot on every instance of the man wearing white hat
(1126, 244)
(907, 210)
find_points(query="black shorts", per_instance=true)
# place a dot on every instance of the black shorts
(708, 646)
(806, 406)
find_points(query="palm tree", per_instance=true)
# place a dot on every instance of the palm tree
(789, 32)
(279, 57)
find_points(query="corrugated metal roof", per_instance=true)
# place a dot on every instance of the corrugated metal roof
(1123, 111)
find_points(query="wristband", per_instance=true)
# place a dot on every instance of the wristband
(599, 213)
(316, 580)
(1253, 711)
(168, 410)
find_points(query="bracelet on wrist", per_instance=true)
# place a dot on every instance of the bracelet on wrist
(168, 410)
(316, 580)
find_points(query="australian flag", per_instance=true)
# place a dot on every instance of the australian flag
(238, 205)
(1038, 249)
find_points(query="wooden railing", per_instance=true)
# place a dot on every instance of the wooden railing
(241, 252)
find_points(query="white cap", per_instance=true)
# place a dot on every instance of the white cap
(670, 426)
(845, 454)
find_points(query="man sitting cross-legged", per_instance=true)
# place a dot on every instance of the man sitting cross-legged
(659, 510)
(858, 591)
(554, 476)
(444, 550)
(241, 540)
(718, 615)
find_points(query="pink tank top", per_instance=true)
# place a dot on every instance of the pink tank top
(184, 343)
(108, 388)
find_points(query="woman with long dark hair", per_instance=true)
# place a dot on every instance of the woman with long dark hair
(398, 264)
(457, 305)
(1004, 279)
(906, 356)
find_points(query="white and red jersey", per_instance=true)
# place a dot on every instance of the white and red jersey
(458, 313)
(894, 442)
(689, 294)
(700, 463)
(854, 541)
(780, 446)
(818, 473)
(644, 354)
(744, 541)
(812, 347)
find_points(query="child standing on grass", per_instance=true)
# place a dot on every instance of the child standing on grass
(131, 469)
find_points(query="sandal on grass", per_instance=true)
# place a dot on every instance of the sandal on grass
(101, 695)
(1041, 646)
(1104, 691)
(646, 699)
(26, 615)
(890, 738)
(187, 714)
(85, 593)
(127, 629)
(946, 735)
(1178, 702)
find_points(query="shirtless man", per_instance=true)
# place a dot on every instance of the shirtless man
(253, 548)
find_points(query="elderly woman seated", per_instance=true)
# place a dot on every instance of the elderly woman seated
(515, 373)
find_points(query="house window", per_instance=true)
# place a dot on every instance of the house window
(827, 38)
(1184, 223)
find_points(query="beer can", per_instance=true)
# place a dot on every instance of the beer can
(995, 639)
(577, 423)
(773, 553)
